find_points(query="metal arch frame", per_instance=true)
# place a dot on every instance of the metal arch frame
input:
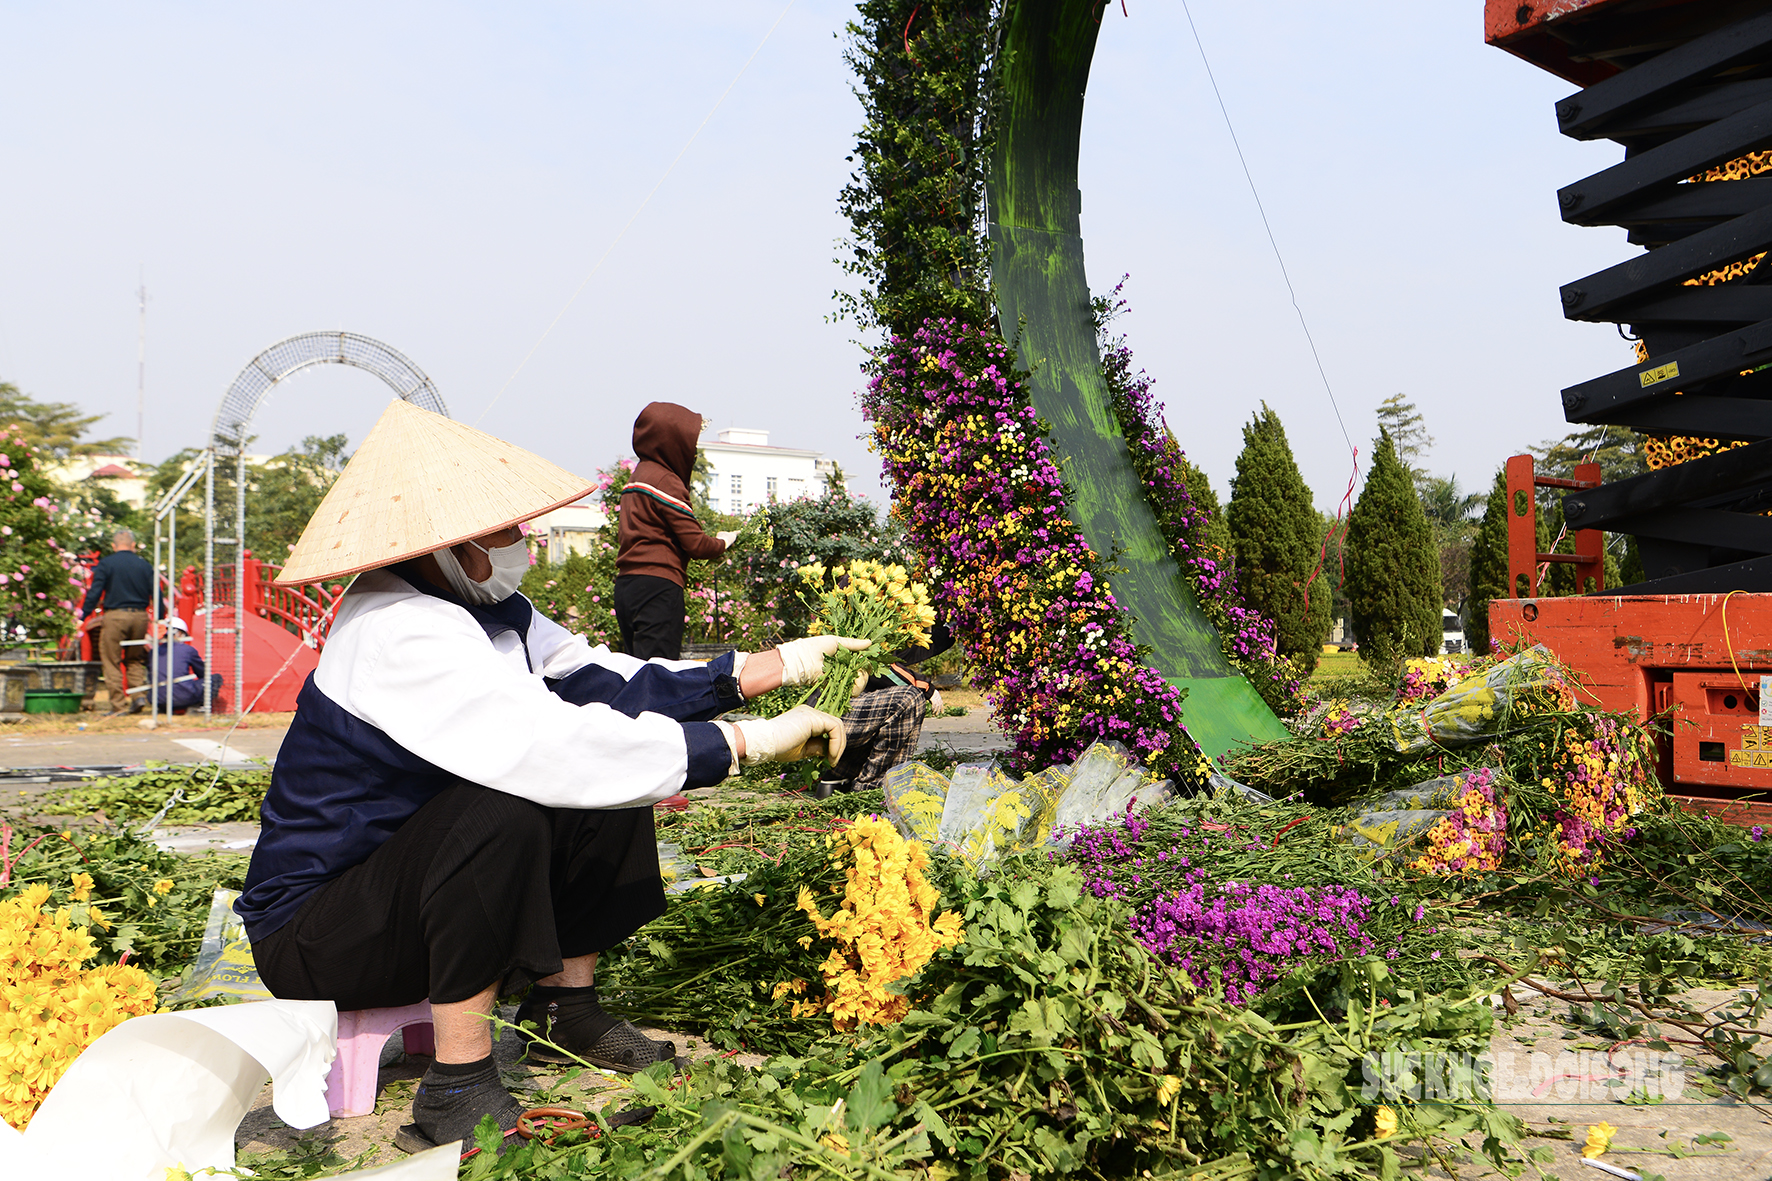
(230, 434)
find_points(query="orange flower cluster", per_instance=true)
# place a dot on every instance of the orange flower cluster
(882, 931)
(53, 1008)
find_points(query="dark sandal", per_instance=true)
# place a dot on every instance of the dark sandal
(622, 1048)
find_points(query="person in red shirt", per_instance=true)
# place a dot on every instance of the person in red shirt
(659, 534)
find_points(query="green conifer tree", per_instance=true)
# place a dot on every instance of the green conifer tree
(1488, 566)
(1273, 528)
(1393, 567)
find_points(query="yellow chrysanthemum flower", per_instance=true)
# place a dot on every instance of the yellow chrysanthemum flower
(1387, 1123)
(82, 886)
(1599, 1139)
(163, 886)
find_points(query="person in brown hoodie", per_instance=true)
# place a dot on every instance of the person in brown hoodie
(659, 533)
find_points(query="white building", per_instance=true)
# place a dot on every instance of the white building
(122, 474)
(571, 528)
(745, 471)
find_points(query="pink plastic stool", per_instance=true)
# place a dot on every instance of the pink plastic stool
(350, 1088)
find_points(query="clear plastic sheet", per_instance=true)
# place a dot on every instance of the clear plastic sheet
(224, 966)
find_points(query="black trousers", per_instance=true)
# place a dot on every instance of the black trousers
(649, 611)
(477, 887)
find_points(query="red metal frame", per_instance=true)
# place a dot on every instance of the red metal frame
(1523, 557)
(1697, 659)
(305, 611)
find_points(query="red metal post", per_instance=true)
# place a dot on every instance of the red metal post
(1522, 529)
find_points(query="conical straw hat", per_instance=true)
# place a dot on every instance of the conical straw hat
(419, 482)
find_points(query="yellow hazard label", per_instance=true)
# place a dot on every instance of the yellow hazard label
(1756, 748)
(1659, 374)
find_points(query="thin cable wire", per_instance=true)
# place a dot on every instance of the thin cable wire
(1284, 274)
(622, 233)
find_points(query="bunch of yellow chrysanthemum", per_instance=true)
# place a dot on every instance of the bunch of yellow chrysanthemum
(53, 1007)
(869, 601)
(882, 931)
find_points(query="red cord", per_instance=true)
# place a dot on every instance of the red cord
(907, 36)
(1336, 530)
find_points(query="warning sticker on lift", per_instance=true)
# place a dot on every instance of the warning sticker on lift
(1659, 374)
(1756, 748)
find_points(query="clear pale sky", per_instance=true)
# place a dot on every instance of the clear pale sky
(444, 176)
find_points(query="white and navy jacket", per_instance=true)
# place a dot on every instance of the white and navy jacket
(417, 690)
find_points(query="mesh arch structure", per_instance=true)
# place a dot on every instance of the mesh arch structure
(232, 431)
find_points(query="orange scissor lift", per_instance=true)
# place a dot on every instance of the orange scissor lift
(1685, 87)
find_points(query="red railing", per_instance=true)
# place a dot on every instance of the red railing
(305, 611)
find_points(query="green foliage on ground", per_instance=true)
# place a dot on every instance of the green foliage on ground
(209, 795)
(1273, 528)
(124, 912)
(1047, 1044)
(1393, 566)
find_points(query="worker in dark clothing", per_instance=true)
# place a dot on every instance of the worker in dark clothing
(125, 582)
(659, 533)
(182, 671)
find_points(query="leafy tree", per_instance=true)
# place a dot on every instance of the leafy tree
(1398, 417)
(830, 529)
(1488, 566)
(56, 429)
(283, 492)
(1393, 571)
(1450, 513)
(1273, 528)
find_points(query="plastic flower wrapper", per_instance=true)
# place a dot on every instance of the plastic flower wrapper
(1524, 684)
(868, 601)
(1472, 837)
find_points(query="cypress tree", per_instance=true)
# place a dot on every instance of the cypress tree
(1274, 533)
(1393, 565)
(1488, 567)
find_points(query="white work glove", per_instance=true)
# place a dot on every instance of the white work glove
(795, 735)
(935, 705)
(729, 536)
(802, 661)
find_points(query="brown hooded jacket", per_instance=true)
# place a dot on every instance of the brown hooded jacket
(658, 530)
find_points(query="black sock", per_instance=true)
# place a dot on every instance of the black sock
(572, 1018)
(453, 1097)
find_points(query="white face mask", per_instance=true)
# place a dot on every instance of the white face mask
(509, 564)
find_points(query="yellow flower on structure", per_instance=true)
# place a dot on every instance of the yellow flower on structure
(163, 886)
(1387, 1123)
(82, 886)
(1168, 1089)
(1599, 1139)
